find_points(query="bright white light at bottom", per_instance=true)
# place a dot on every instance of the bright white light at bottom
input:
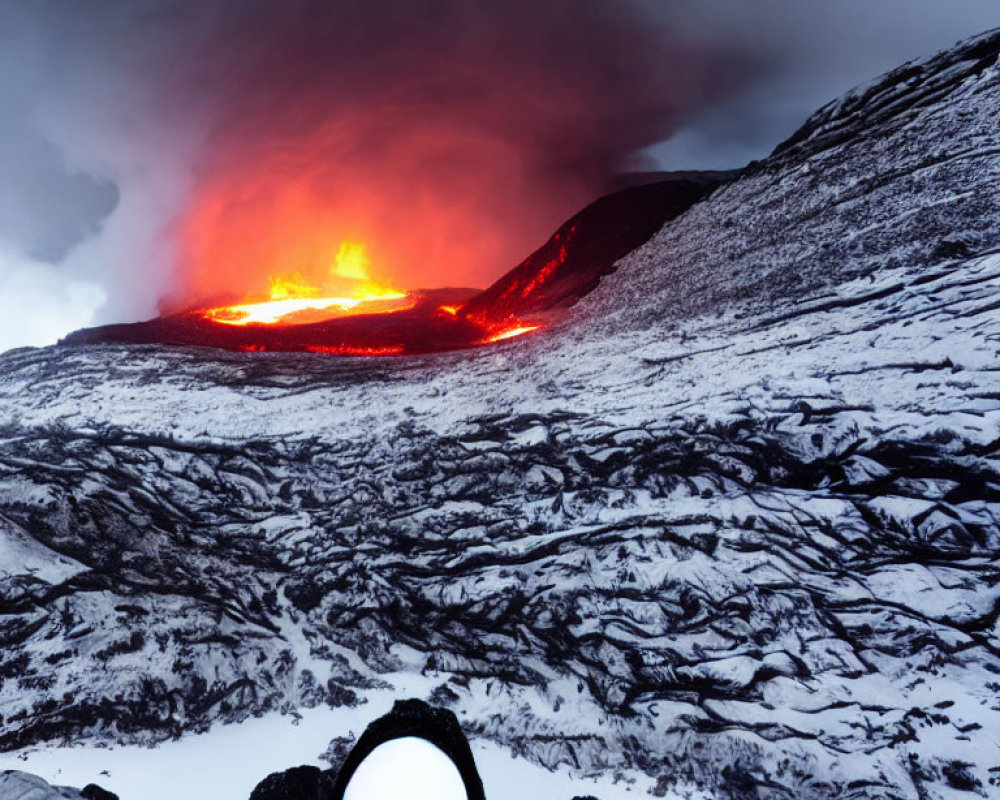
(406, 769)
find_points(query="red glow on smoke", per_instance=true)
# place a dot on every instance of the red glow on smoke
(450, 137)
(438, 208)
(373, 318)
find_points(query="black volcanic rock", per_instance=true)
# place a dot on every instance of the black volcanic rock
(408, 718)
(586, 248)
(414, 717)
(94, 792)
(297, 783)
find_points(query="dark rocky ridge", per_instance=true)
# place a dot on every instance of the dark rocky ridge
(734, 524)
(413, 717)
(893, 101)
(586, 248)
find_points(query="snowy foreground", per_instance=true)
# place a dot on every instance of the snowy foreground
(226, 763)
(731, 529)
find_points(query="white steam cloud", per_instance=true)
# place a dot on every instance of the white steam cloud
(38, 304)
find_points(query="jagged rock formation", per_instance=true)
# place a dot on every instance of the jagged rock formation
(415, 718)
(297, 783)
(735, 522)
(585, 248)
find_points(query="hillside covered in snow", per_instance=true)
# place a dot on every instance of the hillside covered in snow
(732, 525)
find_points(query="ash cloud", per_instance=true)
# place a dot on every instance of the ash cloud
(160, 151)
(451, 137)
(246, 137)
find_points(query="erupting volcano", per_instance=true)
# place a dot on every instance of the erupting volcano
(728, 528)
(333, 173)
(344, 309)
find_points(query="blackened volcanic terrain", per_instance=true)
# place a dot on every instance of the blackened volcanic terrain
(733, 523)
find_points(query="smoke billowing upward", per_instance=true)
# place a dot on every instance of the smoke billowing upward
(250, 138)
(451, 137)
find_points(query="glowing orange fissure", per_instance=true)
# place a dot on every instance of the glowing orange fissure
(510, 333)
(293, 299)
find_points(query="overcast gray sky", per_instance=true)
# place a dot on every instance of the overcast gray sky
(817, 50)
(110, 111)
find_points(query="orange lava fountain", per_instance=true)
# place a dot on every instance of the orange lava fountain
(295, 301)
(295, 306)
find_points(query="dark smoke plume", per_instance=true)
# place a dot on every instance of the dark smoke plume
(251, 137)
(450, 136)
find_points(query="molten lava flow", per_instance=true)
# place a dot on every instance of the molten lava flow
(510, 333)
(332, 315)
(348, 350)
(295, 301)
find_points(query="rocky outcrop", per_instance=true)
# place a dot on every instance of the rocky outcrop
(586, 248)
(415, 718)
(408, 718)
(897, 175)
(297, 783)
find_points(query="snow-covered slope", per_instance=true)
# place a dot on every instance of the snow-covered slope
(734, 524)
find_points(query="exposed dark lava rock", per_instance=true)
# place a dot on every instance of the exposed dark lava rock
(586, 248)
(94, 792)
(408, 718)
(439, 726)
(297, 783)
